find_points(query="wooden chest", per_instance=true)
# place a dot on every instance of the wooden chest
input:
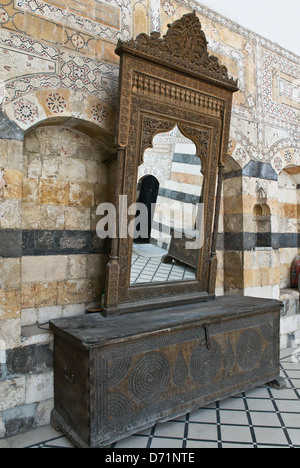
(115, 376)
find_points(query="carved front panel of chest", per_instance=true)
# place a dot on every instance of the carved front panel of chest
(142, 381)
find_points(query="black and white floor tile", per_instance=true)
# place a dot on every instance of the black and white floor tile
(152, 270)
(260, 418)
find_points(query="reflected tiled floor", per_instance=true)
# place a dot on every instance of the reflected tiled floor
(260, 418)
(151, 270)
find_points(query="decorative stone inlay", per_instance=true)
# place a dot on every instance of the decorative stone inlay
(99, 113)
(77, 41)
(56, 103)
(25, 111)
(169, 8)
(4, 16)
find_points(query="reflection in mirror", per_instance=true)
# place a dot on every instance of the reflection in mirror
(169, 189)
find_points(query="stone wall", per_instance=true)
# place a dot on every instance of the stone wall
(58, 94)
(52, 263)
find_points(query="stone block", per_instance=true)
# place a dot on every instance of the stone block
(39, 242)
(77, 218)
(233, 260)
(10, 273)
(15, 159)
(28, 295)
(67, 242)
(14, 184)
(19, 419)
(72, 170)
(290, 299)
(32, 143)
(49, 313)
(252, 278)
(233, 205)
(43, 412)
(52, 217)
(12, 393)
(30, 190)
(34, 269)
(19, 361)
(9, 130)
(77, 267)
(232, 187)
(248, 203)
(29, 317)
(53, 192)
(34, 167)
(74, 292)
(10, 304)
(3, 153)
(72, 310)
(56, 268)
(39, 387)
(107, 52)
(81, 194)
(31, 216)
(10, 333)
(73, 242)
(10, 214)
(46, 294)
(260, 170)
(233, 223)
(46, 30)
(91, 172)
(4, 443)
(234, 279)
(266, 292)
(96, 265)
(50, 167)
(103, 174)
(97, 289)
(249, 223)
(10, 243)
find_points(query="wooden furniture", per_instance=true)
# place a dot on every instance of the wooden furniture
(177, 250)
(177, 347)
(168, 82)
(116, 376)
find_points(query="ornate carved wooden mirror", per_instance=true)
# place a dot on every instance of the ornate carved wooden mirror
(172, 136)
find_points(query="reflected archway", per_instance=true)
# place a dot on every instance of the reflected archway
(170, 184)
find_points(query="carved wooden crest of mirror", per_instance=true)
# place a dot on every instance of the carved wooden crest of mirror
(172, 136)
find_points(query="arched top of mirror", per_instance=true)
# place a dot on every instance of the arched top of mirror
(166, 148)
(153, 127)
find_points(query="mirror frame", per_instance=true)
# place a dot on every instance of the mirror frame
(166, 82)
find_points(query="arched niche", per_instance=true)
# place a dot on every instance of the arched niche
(262, 223)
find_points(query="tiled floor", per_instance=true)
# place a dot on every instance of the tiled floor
(151, 270)
(260, 418)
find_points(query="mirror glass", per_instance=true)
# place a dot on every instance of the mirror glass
(168, 212)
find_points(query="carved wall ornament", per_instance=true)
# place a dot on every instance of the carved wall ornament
(184, 46)
(146, 85)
